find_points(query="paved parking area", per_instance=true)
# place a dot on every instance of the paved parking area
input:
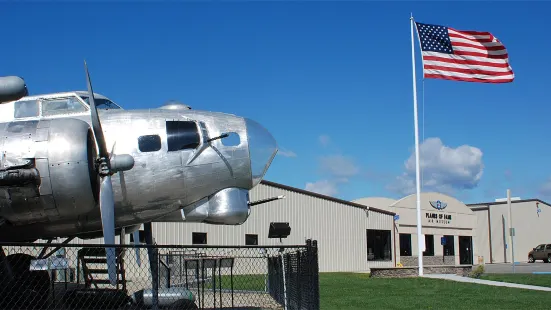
(519, 268)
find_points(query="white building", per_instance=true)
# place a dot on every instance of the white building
(456, 233)
(377, 232)
(448, 228)
(531, 220)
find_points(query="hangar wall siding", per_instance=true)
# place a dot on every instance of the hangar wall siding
(531, 228)
(340, 228)
(481, 239)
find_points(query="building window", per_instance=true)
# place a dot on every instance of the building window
(199, 238)
(149, 143)
(181, 135)
(251, 239)
(429, 245)
(449, 247)
(379, 245)
(405, 244)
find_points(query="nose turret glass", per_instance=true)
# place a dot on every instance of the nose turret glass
(262, 149)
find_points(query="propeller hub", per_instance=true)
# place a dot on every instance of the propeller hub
(121, 162)
(103, 167)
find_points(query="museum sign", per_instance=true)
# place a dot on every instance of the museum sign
(438, 217)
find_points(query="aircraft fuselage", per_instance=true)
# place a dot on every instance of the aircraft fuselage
(175, 160)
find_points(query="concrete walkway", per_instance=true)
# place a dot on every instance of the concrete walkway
(457, 278)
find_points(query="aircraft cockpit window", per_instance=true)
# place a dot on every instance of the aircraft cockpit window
(26, 108)
(149, 143)
(182, 135)
(101, 103)
(61, 106)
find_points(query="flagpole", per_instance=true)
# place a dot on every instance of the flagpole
(417, 174)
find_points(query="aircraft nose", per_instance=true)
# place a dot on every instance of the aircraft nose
(262, 149)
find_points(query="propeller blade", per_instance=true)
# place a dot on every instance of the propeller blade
(96, 125)
(107, 207)
(106, 196)
(136, 236)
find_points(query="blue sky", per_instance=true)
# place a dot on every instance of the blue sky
(331, 80)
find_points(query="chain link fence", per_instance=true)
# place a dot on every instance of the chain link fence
(299, 288)
(76, 276)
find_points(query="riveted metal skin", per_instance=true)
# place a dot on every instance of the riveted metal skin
(59, 150)
(203, 182)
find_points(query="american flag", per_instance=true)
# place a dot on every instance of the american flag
(471, 56)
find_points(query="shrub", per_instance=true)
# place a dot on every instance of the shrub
(477, 272)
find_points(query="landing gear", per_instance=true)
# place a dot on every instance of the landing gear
(154, 265)
(159, 297)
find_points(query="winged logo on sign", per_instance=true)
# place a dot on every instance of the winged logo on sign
(438, 205)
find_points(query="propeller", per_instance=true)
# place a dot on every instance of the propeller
(106, 166)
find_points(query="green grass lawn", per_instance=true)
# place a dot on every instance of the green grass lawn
(530, 279)
(247, 282)
(358, 291)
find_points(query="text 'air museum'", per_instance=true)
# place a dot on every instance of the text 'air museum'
(378, 232)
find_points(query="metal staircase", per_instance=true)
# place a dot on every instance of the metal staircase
(94, 268)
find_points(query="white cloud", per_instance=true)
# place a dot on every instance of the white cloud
(286, 153)
(323, 187)
(324, 140)
(337, 169)
(443, 168)
(339, 166)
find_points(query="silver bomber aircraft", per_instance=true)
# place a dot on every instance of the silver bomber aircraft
(76, 164)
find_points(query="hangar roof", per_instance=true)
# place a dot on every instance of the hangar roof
(312, 194)
(483, 205)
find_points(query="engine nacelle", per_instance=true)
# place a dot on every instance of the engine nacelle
(71, 153)
(229, 206)
(12, 88)
(55, 164)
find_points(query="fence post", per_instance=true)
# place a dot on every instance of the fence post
(315, 274)
(299, 280)
(168, 273)
(311, 275)
(283, 257)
